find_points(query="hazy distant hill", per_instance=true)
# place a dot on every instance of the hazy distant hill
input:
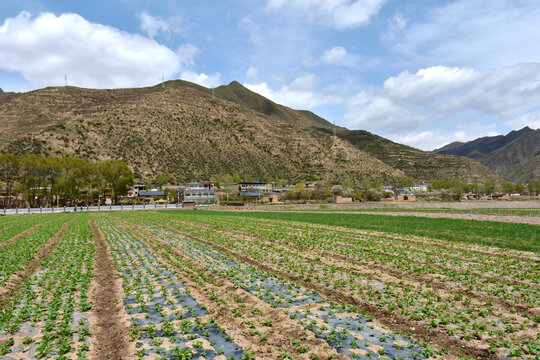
(513, 156)
(483, 146)
(180, 131)
(519, 160)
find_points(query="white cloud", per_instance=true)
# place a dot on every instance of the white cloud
(151, 25)
(337, 56)
(504, 92)
(395, 26)
(480, 33)
(334, 55)
(434, 139)
(202, 79)
(300, 94)
(46, 47)
(254, 30)
(531, 120)
(430, 83)
(340, 14)
(380, 114)
(409, 106)
(251, 74)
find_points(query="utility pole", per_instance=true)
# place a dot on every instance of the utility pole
(163, 81)
(65, 78)
(213, 94)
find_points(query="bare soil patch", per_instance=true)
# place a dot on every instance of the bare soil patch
(107, 317)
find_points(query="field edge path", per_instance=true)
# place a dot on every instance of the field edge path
(108, 323)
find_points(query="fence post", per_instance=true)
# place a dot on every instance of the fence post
(40, 209)
(29, 210)
(64, 208)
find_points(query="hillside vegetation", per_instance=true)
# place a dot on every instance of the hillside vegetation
(514, 156)
(180, 131)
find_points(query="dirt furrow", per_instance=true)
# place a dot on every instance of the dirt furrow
(280, 335)
(108, 321)
(15, 282)
(391, 319)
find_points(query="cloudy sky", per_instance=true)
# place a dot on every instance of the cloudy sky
(423, 73)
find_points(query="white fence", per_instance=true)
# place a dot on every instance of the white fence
(52, 210)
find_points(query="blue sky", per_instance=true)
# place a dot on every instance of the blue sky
(422, 73)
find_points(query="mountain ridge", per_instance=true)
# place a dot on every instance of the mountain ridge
(179, 130)
(483, 146)
(513, 156)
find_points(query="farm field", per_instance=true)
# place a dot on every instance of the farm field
(239, 285)
(503, 212)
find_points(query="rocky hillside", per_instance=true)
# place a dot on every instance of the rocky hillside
(179, 130)
(514, 156)
(479, 148)
(519, 160)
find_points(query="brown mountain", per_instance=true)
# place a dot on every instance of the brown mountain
(479, 148)
(519, 160)
(179, 130)
(513, 156)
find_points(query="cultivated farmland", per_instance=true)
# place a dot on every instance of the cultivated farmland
(193, 284)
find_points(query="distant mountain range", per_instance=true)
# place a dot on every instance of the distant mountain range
(180, 131)
(514, 156)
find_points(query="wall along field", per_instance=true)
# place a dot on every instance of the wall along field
(217, 285)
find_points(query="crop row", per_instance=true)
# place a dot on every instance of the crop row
(506, 278)
(14, 256)
(166, 321)
(460, 316)
(8, 229)
(279, 292)
(49, 318)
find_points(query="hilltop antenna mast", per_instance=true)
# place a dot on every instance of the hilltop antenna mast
(213, 94)
(163, 81)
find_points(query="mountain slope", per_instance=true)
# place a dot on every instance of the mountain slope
(180, 131)
(416, 163)
(420, 165)
(519, 160)
(478, 148)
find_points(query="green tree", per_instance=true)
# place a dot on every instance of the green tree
(534, 187)
(405, 182)
(116, 175)
(519, 188)
(507, 187)
(489, 187)
(162, 179)
(9, 172)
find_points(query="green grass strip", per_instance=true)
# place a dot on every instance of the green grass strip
(523, 237)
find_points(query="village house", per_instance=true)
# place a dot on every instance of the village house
(201, 193)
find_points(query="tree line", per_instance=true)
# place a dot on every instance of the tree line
(44, 181)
